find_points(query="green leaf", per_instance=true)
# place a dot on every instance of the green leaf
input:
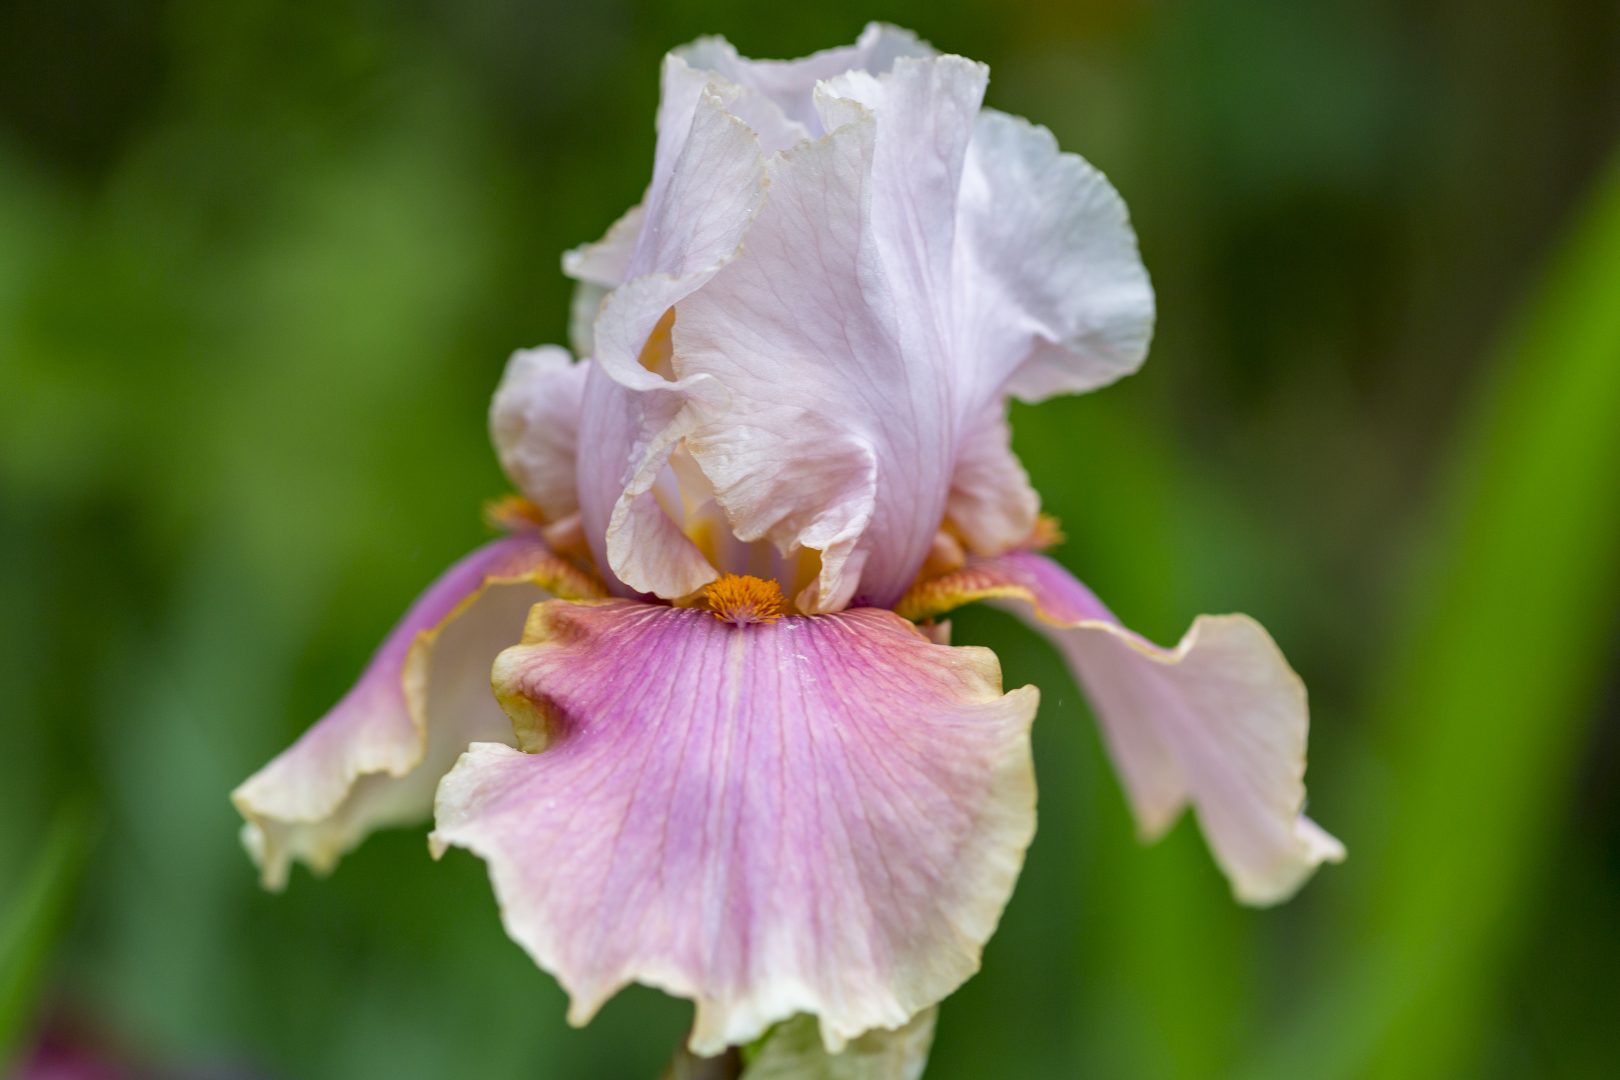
(33, 920)
(1491, 682)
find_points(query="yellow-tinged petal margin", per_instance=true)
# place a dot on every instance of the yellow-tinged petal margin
(1219, 722)
(820, 814)
(375, 759)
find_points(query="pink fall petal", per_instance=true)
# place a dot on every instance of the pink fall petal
(822, 815)
(375, 759)
(1219, 722)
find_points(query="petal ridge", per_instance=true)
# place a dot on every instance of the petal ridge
(1219, 722)
(822, 814)
(363, 765)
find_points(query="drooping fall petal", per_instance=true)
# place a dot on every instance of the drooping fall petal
(375, 759)
(822, 815)
(1218, 722)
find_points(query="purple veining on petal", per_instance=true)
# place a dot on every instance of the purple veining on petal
(362, 767)
(820, 815)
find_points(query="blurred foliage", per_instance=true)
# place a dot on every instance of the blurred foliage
(30, 926)
(260, 266)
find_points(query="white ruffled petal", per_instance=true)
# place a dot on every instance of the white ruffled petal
(1051, 293)
(534, 424)
(992, 506)
(778, 94)
(841, 414)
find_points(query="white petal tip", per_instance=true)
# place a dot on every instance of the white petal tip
(1315, 846)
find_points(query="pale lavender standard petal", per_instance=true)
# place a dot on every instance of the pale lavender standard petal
(830, 340)
(599, 268)
(778, 99)
(1219, 722)
(991, 505)
(1051, 294)
(910, 269)
(822, 815)
(534, 424)
(375, 759)
(915, 259)
(708, 182)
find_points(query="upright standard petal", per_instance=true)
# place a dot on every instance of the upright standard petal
(534, 424)
(598, 269)
(1219, 722)
(830, 340)
(780, 93)
(822, 815)
(992, 506)
(376, 757)
(1051, 294)
(916, 259)
(708, 183)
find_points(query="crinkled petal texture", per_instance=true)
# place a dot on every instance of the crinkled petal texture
(777, 96)
(822, 814)
(708, 182)
(872, 263)
(376, 758)
(1218, 722)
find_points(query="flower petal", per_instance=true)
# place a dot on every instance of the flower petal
(1051, 291)
(991, 504)
(1219, 722)
(534, 424)
(907, 270)
(821, 815)
(830, 341)
(376, 757)
(633, 433)
(607, 261)
(708, 182)
(599, 268)
(793, 1051)
(787, 86)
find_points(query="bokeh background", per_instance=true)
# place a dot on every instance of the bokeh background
(260, 267)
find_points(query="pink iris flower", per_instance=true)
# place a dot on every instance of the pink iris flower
(729, 752)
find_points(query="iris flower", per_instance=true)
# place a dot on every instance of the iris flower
(729, 752)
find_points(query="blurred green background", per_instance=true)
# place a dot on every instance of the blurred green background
(260, 267)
